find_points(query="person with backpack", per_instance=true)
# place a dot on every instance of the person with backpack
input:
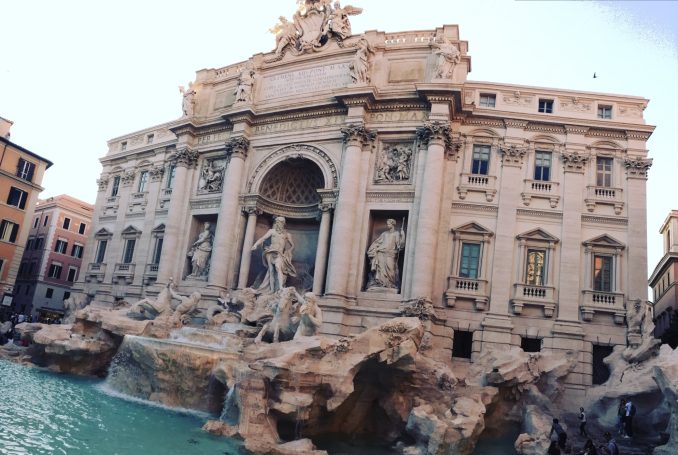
(582, 423)
(610, 447)
(560, 432)
(630, 413)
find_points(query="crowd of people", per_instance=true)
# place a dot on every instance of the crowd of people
(625, 414)
(8, 323)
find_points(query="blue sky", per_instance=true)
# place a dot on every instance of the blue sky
(74, 74)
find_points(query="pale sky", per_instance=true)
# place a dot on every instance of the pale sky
(74, 74)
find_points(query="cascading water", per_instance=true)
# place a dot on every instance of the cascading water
(230, 414)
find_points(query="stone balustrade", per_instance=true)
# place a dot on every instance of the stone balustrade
(604, 195)
(467, 288)
(95, 271)
(124, 272)
(541, 189)
(479, 183)
(527, 294)
(603, 302)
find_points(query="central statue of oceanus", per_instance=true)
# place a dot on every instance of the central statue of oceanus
(277, 257)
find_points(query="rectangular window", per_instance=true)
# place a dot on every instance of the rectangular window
(38, 243)
(170, 176)
(101, 251)
(116, 186)
(76, 251)
(72, 272)
(530, 344)
(462, 346)
(31, 269)
(602, 273)
(149, 138)
(123, 146)
(25, 170)
(157, 251)
(488, 100)
(481, 159)
(17, 198)
(54, 271)
(22, 269)
(67, 295)
(546, 106)
(536, 268)
(49, 293)
(604, 172)
(44, 223)
(29, 244)
(605, 112)
(470, 260)
(61, 246)
(67, 223)
(8, 231)
(542, 166)
(35, 223)
(143, 180)
(129, 251)
(81, 229)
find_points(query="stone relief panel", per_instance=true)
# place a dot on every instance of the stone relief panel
(395, 164)
(575, 104)
(517, 99)
(212, 175)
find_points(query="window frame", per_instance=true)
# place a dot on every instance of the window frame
(128, 250)
(66, 223)
(538, 174)
(99, 255)
(9, 231)
(544, 267)
(115, 186)
(74, 271)
(468, 268)
(488, 100)
(600, 286)
(55, 267)
(605, 111)
(171, 175)
(480, 154)
(25, 169)
(545, 106)
(61, 246)
(603, 174)
(82, 228)
(22, 197)
(142, 185)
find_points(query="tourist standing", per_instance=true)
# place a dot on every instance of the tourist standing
(582, 423)
(628, 422)
(558, 430)
(621, 416)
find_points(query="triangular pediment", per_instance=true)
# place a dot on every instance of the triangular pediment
(131, 231)
(604, 241)
(103, 233)
(537, 234)
(472, 228)
(159, 228)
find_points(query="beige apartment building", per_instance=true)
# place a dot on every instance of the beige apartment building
(665, 276)
(21, 173)
(518, 211)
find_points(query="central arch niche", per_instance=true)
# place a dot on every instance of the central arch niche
(290, 189)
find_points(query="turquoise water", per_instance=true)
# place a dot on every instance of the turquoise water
(44, 413)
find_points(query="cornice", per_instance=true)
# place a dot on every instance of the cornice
(390, 196)
(609, 134)
(545, 128)
(597, 219)
(298, 115)
(540, 213)
(474, 207)
(483, 121)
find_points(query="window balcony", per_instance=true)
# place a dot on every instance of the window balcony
(123, 272)
(467, 288)
(96, 272)
(151, 273)
(603, 302)
(527, 294)
(606, 196)
(478, 183)
(541, 189)
(165, 196)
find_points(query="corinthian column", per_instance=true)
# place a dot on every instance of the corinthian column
(355, 136)
(224, 250)
(321, 252)
(172, 257)
(246, 257)
(437, 136)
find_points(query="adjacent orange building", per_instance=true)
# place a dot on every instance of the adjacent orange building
(21, 173)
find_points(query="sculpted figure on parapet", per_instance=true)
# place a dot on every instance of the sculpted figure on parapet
(245, 88)
(360, 66)
(277, 256)
(448, 57)
(188, 102)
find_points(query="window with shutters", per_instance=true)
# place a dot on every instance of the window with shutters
(17, 198)
(25, 170)
(8, 231)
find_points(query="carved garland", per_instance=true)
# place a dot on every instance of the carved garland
(300, 151)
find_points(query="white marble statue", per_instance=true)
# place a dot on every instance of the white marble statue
(188, 102)
(200, 253)
(310, 317)
(184, 309)
(245, 88)
(383, 254)
(339, 23)
(448, 57)
(148, 308)
(283, 325)
(359, 67)
(277, 256)
(286, 33)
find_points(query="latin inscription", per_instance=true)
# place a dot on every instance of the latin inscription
(305, 81)
(314, 122)
(397, 116)
(214, 137)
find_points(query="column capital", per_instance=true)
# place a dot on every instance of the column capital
(128, 177)
(512, 155)
(237, 146)
(637, 168)
(326, 206)
(185, 158)
(574, 162)
(356, 132)
(156, 173)
(435, 130)
(102, 182)
(251, 210)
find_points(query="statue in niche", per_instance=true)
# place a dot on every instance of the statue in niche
(448, 57)
(395, 165)
(188, 102)
(359, 67)
(245, 88)
(310, 317)
(212, 177)
(200, 253)
(277, 256)
(283, 325)
(384, 253)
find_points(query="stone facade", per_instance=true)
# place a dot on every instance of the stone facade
(663, 279)
(52, 260)
(518, 212)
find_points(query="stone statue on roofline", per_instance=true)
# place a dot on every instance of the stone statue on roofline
(244, 91)
(188, 101)
(447, 58)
